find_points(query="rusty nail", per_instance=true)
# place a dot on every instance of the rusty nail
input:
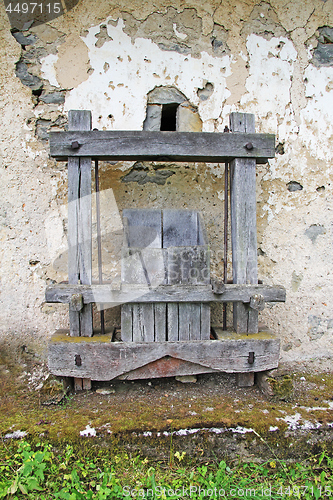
(249, 146)
(75, 145)
(78, 360)
(250, 359)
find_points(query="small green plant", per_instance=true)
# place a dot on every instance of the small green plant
(30, 475)
(71, 472)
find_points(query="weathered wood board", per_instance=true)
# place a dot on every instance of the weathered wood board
(162, 247)
(144, 228)
(149, 146)
(101, 359)
(201, 293)
(80, 226)
(243, 225)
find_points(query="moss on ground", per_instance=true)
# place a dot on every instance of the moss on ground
(215, 402)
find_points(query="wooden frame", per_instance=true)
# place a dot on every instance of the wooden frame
(101, 359)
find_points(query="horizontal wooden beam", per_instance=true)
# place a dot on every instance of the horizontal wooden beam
(105, 294)
(101, 359)
(165, 146)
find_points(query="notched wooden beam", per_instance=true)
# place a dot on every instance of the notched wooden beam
(102, 359)
(168, 293)
(172, 146)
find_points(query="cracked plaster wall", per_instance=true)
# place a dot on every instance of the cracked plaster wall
(273, 59)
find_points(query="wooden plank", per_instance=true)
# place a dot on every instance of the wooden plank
(149, 146)
(144, 228)
(180, 228)
(202, 233)
(172, 321)
(78, 384)
(184, 318)
(79, 225)
(205, 322)
(143, 266)
(195, 330)
(102, 359)
(160, 321)
(85, 242)
(86, 384)
(127, 323)
(143, 322)
(62, 293)
(188, 265)
(243, 224)
(199, 272)
(189, 321)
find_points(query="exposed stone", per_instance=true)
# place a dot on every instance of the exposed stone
(158, 177)
(314, 231)
(53, 98)
(280, 148)
(175, 47)
(104, 391)
(318, 327)
(280, 387)
(27, 78)
(206, 92)
(42, 129)
(188, 119)
(24, 39)
(323, 53)
(294, 186)
(186, 379)
(153, 117)
(263, 21)
(165, 95)
(218, 41)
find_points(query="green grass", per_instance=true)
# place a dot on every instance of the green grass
(42, 472)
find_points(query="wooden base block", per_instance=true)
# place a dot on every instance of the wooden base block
(245, 379)
(82, 384)
(103, 360)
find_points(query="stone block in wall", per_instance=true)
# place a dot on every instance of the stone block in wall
(188, 119)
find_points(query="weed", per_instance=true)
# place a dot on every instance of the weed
(41, 472)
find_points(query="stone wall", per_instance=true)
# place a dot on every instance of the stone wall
(273, 59)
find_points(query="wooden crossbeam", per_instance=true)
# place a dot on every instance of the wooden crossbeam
(173, 146)
(101, 359)
(105, 294)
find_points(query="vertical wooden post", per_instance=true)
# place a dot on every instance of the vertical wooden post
(80, 232)
(244, 225)
(244, 232)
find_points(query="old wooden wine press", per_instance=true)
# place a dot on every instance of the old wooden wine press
(166, 287)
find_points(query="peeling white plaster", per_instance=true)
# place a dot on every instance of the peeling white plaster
(271, 64)
(316, 129)
(48, 69)
(135, 69)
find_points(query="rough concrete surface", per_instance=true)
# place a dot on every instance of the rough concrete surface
(273, 59)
